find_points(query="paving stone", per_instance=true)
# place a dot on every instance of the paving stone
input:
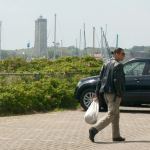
(67, 131)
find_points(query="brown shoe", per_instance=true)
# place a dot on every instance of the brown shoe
(92, 132)
(119, 139)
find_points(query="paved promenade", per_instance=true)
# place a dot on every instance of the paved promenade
(67, 131)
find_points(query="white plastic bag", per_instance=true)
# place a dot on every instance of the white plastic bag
(91, 114)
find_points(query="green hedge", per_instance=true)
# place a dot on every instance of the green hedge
(54, 87)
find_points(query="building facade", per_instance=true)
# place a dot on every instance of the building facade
(40, 45)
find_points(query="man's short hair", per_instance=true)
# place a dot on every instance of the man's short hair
(118, 50)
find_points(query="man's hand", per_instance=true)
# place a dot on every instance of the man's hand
(95, 98)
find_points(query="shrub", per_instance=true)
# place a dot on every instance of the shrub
(51, 87)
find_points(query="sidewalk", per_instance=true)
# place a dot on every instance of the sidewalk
(67, 131)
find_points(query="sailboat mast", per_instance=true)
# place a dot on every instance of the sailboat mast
(85, 41)
(61, 48)
(93, 39)
(55, 37)
(117, 41)
(77, 54)
(80, 38)
(102, 45)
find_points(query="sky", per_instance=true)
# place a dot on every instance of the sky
(130, 19)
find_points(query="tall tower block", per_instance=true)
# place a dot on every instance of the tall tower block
(40, 45)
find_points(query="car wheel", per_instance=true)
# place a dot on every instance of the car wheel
(86, 98)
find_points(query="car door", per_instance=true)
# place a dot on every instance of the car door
(144, 84)
(134, 72)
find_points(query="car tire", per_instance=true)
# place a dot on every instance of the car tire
(86, 99)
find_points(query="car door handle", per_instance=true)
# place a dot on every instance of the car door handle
(137, 80)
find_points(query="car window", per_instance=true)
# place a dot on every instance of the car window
(134, 68)
(148, 70)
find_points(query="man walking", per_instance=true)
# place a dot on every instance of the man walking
(112, 80)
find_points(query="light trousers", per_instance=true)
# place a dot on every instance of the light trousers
(112, 115)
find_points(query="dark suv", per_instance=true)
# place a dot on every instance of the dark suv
(137, 73)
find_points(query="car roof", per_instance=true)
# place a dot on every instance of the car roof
(138, 58)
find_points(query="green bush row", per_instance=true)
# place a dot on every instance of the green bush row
(53, 89)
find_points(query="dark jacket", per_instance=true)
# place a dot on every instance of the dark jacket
(119, 80)
(112, 79)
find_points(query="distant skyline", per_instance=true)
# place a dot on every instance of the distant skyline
(127, 18)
